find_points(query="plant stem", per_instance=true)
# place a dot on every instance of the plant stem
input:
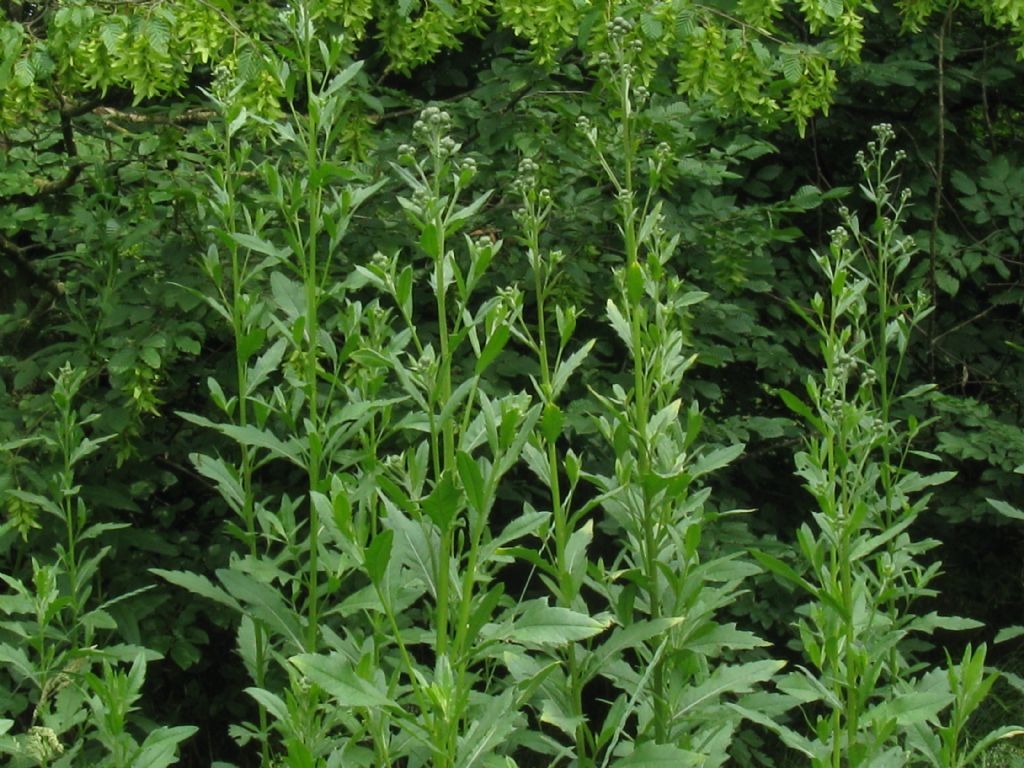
(311, 274)
(239, 324)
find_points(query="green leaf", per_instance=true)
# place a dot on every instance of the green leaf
(551, 422)
(651, 26)
(1008, 633)
(963, 183)
(740, 678)
(161, 747)
(251, 436)
(198, 585)
(342, 78)
(270, 702)
(227, 482)
(526, 524)
(632, 636)
(619, 324)
(541, 624)
(947, 282)
(934, 620)
(651, 755)
(717, 459)
(378, 556)
(908, 708)
(258, 244)
(1006, 510)
(799, 407)
(832, 8)
(24, 73)
(443, 503)
(16, 659)
(266, 364)
(567, 367)
(334, 674)
(783, 570)
(35, 499)
(267, 605)
(978, 748)
(453, 223)
(791, 738)
(495, 343)
(489, 730)
(472, 481)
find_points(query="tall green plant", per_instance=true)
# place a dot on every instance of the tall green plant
(679, 702)
(275, 293)
(54, 631)
(865, 571)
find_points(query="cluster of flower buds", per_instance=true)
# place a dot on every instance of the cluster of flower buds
(431, 129)
(432, 122)
(467, 170)
(407, 153)
(619, 27)
(526, 176)
(839, 236)
(884, 132)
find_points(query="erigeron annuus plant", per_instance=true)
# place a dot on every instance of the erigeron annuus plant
(438, 496)
(53, 633)
(563, 570)
(679, 701)
(864, 570)
(289, 405)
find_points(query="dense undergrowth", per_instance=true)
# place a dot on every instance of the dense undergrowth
(521, 412)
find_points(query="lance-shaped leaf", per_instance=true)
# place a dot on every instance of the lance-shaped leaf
(266, 604)
(542, 624)
(334, 674)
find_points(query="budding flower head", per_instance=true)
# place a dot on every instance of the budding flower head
(447, 146)
(432, 122)
(884, 132)
(619, 27)
(407, 153)
(526, 176)
(436, 117)
(528, 167)
(838, 237)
